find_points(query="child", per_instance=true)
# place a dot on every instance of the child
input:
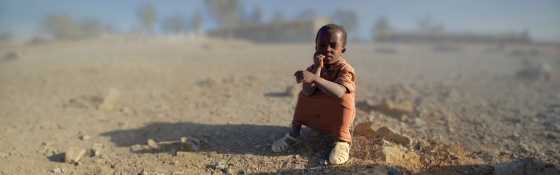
(327, 100)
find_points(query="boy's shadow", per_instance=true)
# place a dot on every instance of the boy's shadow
(226, 139)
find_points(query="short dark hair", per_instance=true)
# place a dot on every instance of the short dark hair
(332, 27)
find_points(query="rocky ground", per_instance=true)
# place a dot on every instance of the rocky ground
(215, 107)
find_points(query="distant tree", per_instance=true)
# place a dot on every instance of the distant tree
(6, 36)
(147, 15)
(62, 27)
(347, 18)
(225, 13)
(307, 14)
(426, 24)
(277, 18)
(90, 27)
(196, 20)
(256, 16)
(276, 22)
(380, 29)
(175, 24)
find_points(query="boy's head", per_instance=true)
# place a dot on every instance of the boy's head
(331, 42)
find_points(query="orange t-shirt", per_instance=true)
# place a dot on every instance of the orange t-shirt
(323, 112)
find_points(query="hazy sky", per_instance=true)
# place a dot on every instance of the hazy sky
(540, 17)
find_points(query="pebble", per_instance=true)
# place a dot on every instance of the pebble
(221, 165)
(390, 155)
(152, 143)
(74, 154)
(190, 144)
(136, 148)
(3, 155)
(96, 149)
(388, 134)
(365, 129)
(84, 137)
(111, 101)
(56, 170)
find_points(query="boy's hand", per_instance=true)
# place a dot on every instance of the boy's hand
(305, 77)
(318, 60)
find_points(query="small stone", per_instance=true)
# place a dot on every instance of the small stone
(56, 170)
(84, 137)
(390, 155)
(152, 143)
(111, 101)
(257, 146)
(221, 165)
(365, 129)
(388, 134)
(136, 148)
(3, 155)
(96, 149)
(190, 144)
(74, 154)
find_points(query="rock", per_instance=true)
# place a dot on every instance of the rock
(3, 155)
(190, 144)
(221, 165)
(385, 107)
(74, 154)
(96, 149)
(56, 170)
(390, 155)
(526, 166)
(390, 135)
(365, 129)
(136, 148)
(152, 143)
(397, 110)
(84, 137)
(404, 107)
(111, 101)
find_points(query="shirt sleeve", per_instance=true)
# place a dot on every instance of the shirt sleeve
(346, 77)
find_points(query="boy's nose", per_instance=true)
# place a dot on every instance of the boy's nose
(329, 49)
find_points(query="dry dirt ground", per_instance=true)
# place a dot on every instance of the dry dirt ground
(466, 107)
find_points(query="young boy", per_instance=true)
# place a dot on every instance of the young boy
(326, 102)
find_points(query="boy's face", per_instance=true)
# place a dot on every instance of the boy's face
(330, 44)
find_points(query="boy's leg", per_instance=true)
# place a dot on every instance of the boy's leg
(296, 130)
(289, 140)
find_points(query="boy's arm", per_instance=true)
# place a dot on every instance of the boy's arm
(309, 88)
(311, 81)
(329, 87)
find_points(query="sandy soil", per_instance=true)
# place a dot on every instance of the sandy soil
(469, 107)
